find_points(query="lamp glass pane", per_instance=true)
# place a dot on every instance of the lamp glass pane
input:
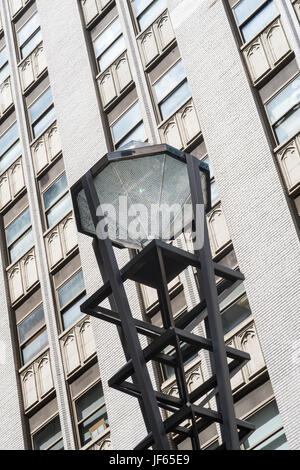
(152, 180)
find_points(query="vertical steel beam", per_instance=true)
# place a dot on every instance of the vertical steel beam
(229, 428)
(134, 349)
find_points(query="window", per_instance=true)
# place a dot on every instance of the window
(129, 127)
(284, 111)
(215, 196)
(4, 67)
(253, 16)
(172, 90)
(19, 236)
(269, 433)
(49, 437)
(29, 36)
(42, 113)
(32, 334)
(168, 371)
(10, 148)
(235, 314)
(147, 11)
(109, 45)
(91, 414)
(70, 297)
(57, 201)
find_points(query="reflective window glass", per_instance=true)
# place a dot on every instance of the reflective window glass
(129, 120)
(152, 12)
(71, 289)
(259, 21)
(267, 421)
(49, 437)
(72, 314)
(31, 324)
(36, 345)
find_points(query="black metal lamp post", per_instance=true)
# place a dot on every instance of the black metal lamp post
(161, 175)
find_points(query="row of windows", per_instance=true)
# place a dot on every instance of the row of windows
(89, 409)
(91, 421)
(282, 109)
(170, 89)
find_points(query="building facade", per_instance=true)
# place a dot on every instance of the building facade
(78, 78)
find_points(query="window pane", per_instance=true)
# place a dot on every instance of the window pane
(71, 289)
(288, 126)
(139, 135)
(208, 162)
(174, 101)
(8, 139)
(257, 24)
(58, 446)
(45, 122)
(266, 421)
(284, 101)
(31, 44)
(107, 37)
(169, 81)
(10, 156)
(4, 73)
(150, 15)
(140, 5)
(93, 426)
(72, 314)
(29, 28)
(245, 9)
(112, 53)
(129, 120)
(18, 226)
(59, 209)
(276, 442)
(3, 57)
(47, 435)
(40, 106)
(89, 402)
(55, 191)
(34, 347)
(31, 325)
(235, 314)
(215, 196)
(21, 246)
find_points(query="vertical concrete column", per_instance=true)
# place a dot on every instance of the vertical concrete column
(260, 223)
(48, 302)
(83, 142)
(138, 73)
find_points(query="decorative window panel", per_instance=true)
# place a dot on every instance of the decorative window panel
(115, 80)
(247, 340)
(266, 50)
(32, 67)
(289, 161)
(6, 99)
(37, 380)
(218, 231)
(61, 241)
(46, 148)
(156, 38)
(78, 345)
(181, 128)
(11, 183)
(297, 8)
(22, 276)
(93, 8)
(17, 5)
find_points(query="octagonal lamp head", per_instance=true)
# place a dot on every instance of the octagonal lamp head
(133, 186)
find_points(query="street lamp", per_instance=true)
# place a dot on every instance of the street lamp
(160, 175)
